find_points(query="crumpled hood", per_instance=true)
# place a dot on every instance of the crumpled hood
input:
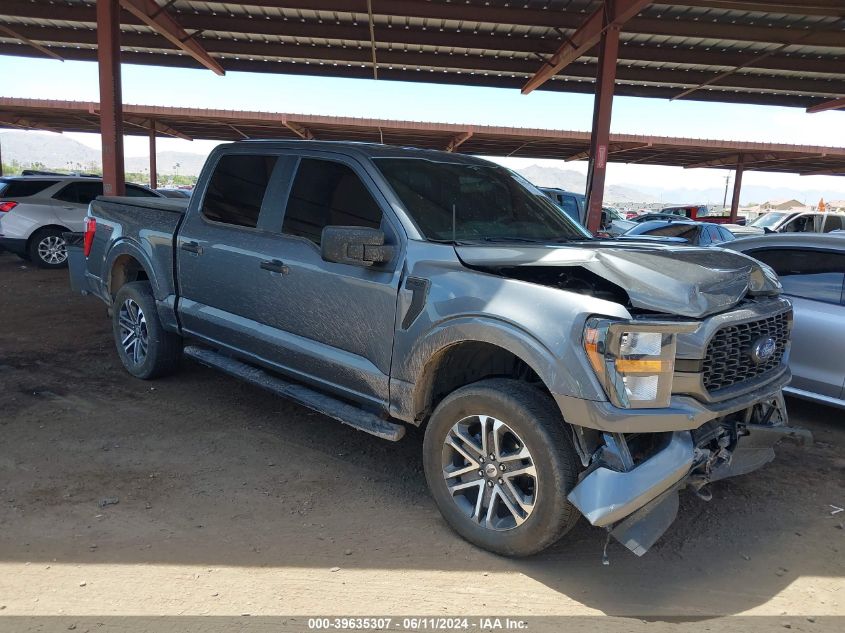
(682, 280)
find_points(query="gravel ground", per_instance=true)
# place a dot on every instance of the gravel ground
(200, 495)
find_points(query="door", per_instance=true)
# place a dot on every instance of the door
(338, 319)
(814, 281)
(255, 289)
(71, 202)
(221, 244)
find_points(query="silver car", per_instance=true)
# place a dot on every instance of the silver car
(791, 222)
(812, 270)
(36, 210)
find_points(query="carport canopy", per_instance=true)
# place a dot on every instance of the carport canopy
(231, 125)
(786, 52)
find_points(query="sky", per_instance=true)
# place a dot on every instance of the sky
(200, 88)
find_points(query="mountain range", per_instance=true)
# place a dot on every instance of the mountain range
(54, 151)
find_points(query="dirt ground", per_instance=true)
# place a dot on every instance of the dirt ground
(231, 501)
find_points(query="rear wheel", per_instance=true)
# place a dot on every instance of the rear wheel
(145, 348)
(47, 249)
(499, 464)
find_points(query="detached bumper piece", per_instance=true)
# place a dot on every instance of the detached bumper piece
(636, 498)
(76, 261)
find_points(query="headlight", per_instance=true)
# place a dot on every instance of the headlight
(634, 361)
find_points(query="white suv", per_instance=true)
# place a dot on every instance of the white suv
(36, 210)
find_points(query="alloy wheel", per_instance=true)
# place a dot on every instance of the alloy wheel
(489, 472)
(52, 250)
(134, 336)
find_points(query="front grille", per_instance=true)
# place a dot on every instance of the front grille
(728, 361)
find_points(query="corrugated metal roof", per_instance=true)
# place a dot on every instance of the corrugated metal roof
(224, 125)
(788, 52)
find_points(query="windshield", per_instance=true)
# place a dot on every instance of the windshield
(488, 202)
(768, 220)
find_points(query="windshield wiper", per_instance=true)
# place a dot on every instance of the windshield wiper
(500, 239)
(535, 240)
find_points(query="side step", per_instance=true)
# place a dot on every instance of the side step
(327, 405)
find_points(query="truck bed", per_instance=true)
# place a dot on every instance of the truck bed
(143, 228)
(174, 205)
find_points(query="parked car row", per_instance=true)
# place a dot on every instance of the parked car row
(694, 233)
(793, 222)
(699, 212)
(615, 224)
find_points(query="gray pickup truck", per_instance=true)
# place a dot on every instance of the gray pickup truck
(555, 374)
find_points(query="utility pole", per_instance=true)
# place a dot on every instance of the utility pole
(725, 199)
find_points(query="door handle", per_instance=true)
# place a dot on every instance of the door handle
(191, 247)
(275, 266)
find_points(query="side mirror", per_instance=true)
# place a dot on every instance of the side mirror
(354, 245)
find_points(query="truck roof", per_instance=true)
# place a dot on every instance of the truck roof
(370, 150)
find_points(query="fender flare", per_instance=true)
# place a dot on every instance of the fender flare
(418, 365)
(126, 246)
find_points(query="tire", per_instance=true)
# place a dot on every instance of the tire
(47, 249)
(148, 351)
(528, 420)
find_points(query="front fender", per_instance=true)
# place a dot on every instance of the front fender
(480, 329)
(414, 373)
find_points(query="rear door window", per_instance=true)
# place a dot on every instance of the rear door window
(810, 274)
(327, 193)
(831, 222)
(80, 192)
(236, 189)
(23, 188)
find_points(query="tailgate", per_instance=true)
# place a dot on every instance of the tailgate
(76, 263)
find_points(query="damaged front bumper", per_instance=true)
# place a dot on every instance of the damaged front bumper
(635, 496)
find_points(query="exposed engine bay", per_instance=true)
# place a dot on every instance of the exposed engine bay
(570, 278)
(680, 281)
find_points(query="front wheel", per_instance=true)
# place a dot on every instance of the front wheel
(499, 464)
(145, 348)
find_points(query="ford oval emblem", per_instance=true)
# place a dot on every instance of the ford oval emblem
(762, 350)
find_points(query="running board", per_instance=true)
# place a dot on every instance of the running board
(327, 405)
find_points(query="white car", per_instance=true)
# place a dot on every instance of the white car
(36, 210)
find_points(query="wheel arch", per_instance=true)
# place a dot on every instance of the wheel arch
(31, 236)
(126, 263)
(470, 350)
